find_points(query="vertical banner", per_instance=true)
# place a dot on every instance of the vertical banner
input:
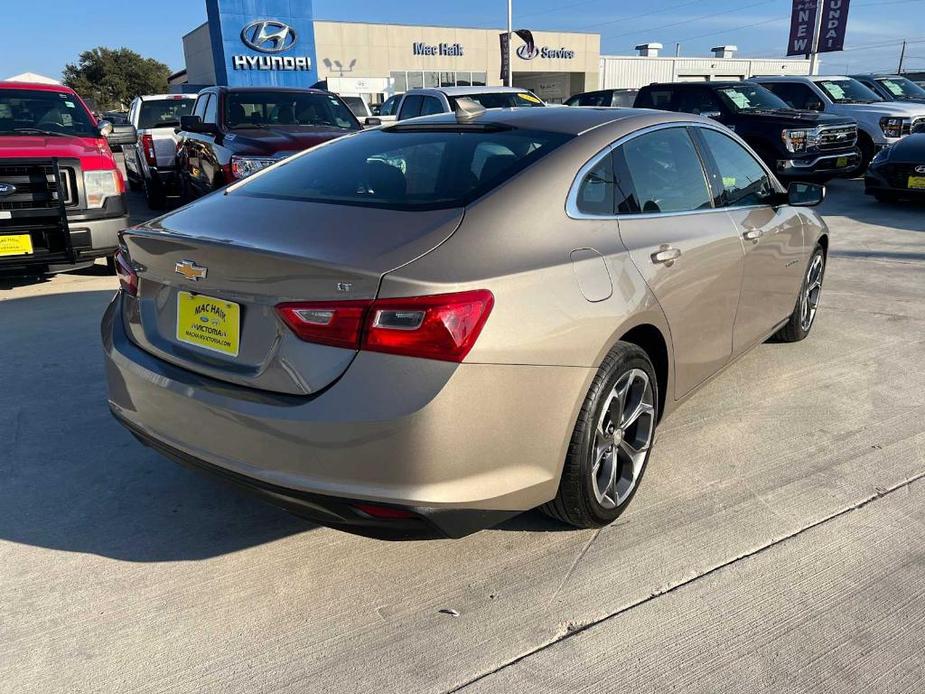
(834, 24)
(505, 56)
(526, 36)
(802, 27)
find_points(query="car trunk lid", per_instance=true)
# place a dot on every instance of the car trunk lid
(250, 257)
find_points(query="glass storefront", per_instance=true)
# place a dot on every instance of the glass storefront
(403, 80)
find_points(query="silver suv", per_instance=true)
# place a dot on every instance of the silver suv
(428, 102)
(880, 123)
(151, 163)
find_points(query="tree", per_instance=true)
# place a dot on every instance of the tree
(113, 77)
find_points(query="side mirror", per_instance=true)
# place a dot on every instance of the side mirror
(801, 194)
(104, 128)
(711, 114)
(372, 121)
(122, 135)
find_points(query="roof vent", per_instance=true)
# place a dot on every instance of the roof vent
(724, 51)
(649, 50)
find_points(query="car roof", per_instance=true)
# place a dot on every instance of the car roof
(37, 86)
(464, 91)
(799, 78)
(146, 97)
(572, 121)
(723, 83)
(877, 75)
(306, 90)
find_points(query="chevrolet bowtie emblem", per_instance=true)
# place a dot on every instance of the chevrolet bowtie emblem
(191, 271)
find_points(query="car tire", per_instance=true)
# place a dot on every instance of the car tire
(801, 320)
(885, 197)
(154, 194)
(606, 459)
(111, 265)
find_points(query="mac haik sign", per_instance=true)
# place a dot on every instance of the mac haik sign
(803, 23)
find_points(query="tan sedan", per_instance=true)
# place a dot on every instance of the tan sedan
(435, 325)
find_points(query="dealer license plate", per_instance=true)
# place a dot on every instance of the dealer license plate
(917, 182)
(213, 324)
(841, 162)
(16, 244)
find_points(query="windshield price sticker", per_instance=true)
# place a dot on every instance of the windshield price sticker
(738, 98)
(835, 90)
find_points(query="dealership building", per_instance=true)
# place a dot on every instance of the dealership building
(278, 42)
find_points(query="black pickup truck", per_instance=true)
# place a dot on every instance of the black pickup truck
(794, 144)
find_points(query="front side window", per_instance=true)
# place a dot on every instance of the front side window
(59, 113)
(390, 105)
(406, 167)
(431, 105)
(795, 95)
(201, 103)
(655, 98)
(848, 91)
(261, 109)
(163, 113)
(739, 179)
(666, 172)
(411, 106)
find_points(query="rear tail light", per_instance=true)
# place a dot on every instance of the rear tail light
(441, 326)
(128, 279)
(147, 146)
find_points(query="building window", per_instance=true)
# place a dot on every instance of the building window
(431, 80)
(399, 82)
(478, 79)
(415, 80)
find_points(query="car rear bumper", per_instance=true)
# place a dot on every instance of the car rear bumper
(823, 164)
(462, 446)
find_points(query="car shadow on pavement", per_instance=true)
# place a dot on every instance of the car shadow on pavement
(851, 202)
(72, 479)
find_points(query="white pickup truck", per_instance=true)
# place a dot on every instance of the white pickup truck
(151, 163)
(880, 123)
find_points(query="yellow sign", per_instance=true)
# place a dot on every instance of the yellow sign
(841, 162)
(18, 244)
(213, 324)
(917, 182)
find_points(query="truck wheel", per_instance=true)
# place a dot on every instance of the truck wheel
(868, 151)
(133, 183)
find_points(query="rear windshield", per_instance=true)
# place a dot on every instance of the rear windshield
(407, 169)
(244, 109)
(505, 99)
(23, 111)
(163, 113)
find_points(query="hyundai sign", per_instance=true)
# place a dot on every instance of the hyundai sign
(262, 42)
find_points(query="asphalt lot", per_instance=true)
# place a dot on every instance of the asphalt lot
(777, 542)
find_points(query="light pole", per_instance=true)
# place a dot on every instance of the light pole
(814, 53)
(510, 37)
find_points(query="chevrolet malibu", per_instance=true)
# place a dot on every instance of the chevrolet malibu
(430, 327)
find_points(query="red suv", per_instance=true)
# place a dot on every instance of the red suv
(62, 199)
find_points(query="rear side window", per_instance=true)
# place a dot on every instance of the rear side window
(163, 113)
(506, 99)
(406, 168)
(739, 179)
(430, 106)
(606, 189)
(698, 101)
(655, 98)
(666, 172)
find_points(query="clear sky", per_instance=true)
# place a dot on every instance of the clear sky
(43, 37)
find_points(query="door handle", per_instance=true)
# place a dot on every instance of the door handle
(753, 234)
(666, 254)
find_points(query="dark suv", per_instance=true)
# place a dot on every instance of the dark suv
(235, 132)
(794, 144)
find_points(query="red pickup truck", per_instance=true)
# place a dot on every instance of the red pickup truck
(62, 200)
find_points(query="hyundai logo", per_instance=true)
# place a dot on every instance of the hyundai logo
(525, 53)
(7, 189)
(918, 169)
(268, 36)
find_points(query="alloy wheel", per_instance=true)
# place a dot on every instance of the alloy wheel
(622, 438)
(812, 289)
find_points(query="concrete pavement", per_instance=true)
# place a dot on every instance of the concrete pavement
(775, 543)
